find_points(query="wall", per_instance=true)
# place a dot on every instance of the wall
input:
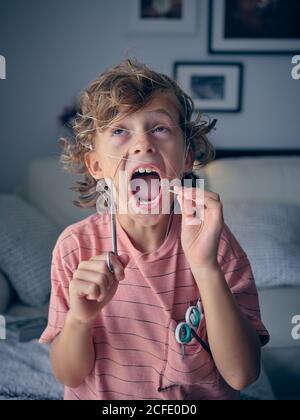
(55, 48)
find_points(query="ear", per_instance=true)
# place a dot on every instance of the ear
(93, 165)
(189, 162)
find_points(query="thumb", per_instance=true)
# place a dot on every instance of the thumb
(124, 258)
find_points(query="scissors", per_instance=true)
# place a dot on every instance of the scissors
(114, 230)
(185, 331)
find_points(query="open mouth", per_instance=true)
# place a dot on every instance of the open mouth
(145, 186)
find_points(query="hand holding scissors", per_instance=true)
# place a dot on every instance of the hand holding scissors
(95, 282)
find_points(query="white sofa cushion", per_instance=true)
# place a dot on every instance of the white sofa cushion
(270, 235)
(274, 179)
(48, 188)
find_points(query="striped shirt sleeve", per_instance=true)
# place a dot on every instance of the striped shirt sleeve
(238, 273)
(61, 275)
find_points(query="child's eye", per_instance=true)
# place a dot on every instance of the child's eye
(160, 129)
(118, 132)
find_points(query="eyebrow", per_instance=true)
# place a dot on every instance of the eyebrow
(154, 111)
(162, 111)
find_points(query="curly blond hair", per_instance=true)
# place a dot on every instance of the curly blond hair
(132, 84)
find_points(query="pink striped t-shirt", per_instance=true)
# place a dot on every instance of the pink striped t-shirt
(137, 355)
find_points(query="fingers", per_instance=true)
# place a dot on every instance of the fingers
(97, 264)
(194, 202)
(187, 206)
(87, 290)
(93, 280)
(93, 276)
(118, 264)
(190, 214)
(196, 194)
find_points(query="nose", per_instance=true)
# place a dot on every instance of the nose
(143, 144)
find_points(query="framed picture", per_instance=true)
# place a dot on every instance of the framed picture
(163, 17)
(254, 26)
(214, 87)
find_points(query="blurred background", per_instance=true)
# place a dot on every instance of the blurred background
(55, 48)
(235, 59)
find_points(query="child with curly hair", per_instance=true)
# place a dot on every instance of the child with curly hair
(114, 327)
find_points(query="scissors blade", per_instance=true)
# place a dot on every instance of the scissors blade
(113, 222)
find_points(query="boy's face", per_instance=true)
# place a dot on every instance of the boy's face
(148, 140)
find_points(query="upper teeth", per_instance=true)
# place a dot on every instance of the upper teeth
(143, 170)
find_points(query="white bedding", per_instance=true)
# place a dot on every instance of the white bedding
(26, 374)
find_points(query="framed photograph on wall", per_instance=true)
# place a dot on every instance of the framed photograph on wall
(163, 17)
(254, 26)
(214, 87)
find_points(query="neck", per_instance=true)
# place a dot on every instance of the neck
(146, 238)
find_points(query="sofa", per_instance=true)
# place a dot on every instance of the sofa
(271, 184)
(261, 195)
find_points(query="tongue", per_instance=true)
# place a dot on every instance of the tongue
(146, 187)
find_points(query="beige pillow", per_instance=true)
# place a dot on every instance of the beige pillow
(6, 294)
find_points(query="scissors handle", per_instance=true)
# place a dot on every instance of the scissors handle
(108, 263)
(193, 316)
(183, 333)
